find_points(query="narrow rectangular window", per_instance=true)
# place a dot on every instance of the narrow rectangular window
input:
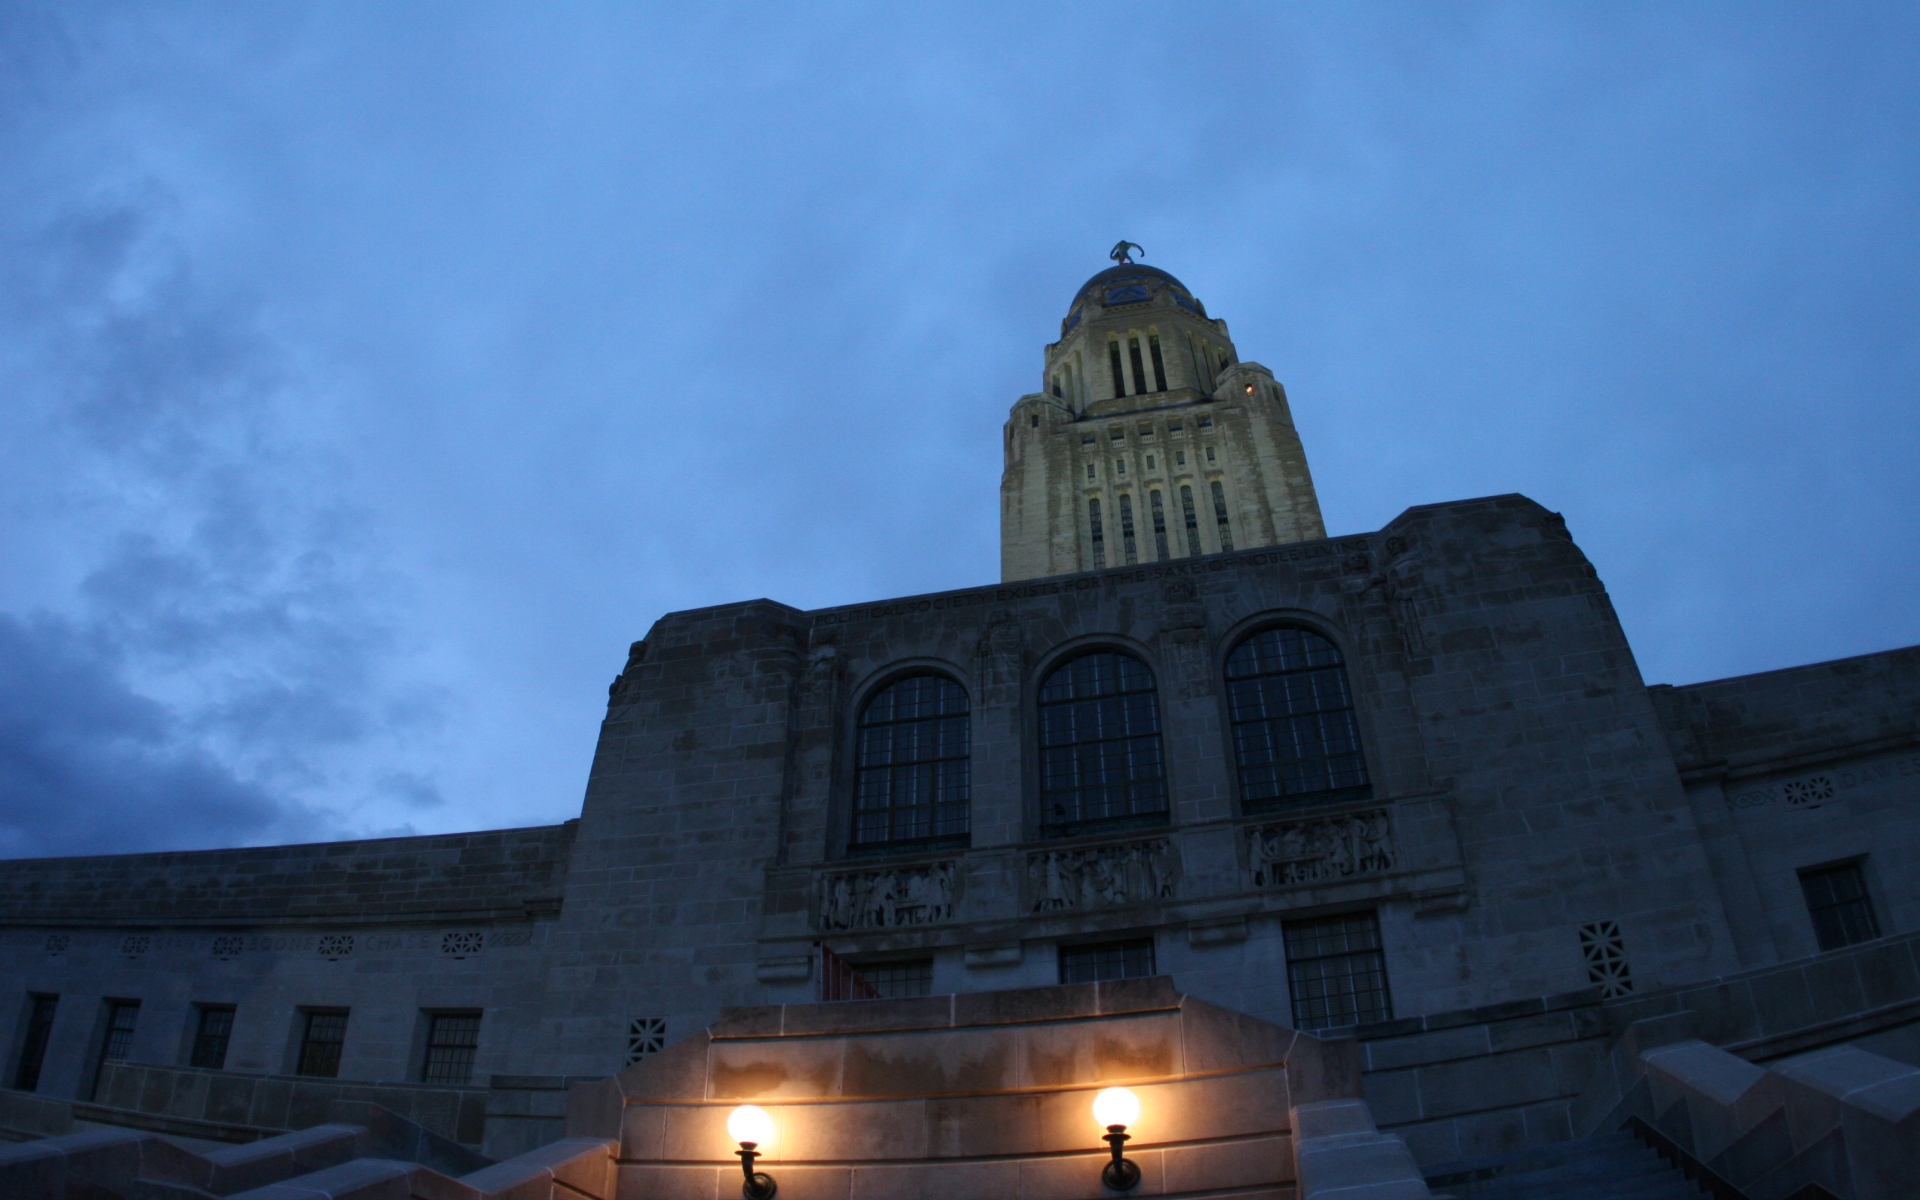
(1119, 466)
(452, 1038)
(1159, 364)
(1126, 528)
(1089, 470)
(1179, 458)
(1139, 372)
(1159, 526)
(1034, 420)
(1056, 387)
(212, 1030)
(1193, 523)
(1336, 971)
(1099, 538)
(1119, 376)
(121, 1017)
(1149, 462)
(1220, 516)
(1131, 959)
(1209, 453)
(33, 1052)
(321, 1041)
(1837, 901)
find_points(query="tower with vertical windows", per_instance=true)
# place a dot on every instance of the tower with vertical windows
(1150, 439)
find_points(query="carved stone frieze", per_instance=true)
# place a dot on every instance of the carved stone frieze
(1321, 850)
(887, 898)
(1100, 876)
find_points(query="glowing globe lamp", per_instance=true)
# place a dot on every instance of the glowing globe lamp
(752, 1128)
(1116, 1106)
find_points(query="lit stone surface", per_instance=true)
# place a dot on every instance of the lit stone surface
(1146, 408)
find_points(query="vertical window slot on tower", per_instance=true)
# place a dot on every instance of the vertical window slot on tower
(1056, 387)
(1193, 524)
(1099, 537)
(1126, 528)
(1159, 364)
(1220, 516)
(1159, 527)
(1139, 372)
(1119, 372)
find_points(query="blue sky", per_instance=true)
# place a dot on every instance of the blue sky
(371, 375)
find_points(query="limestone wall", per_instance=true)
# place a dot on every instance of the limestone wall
(1522, 786)
(387, 930)
(1797, 769)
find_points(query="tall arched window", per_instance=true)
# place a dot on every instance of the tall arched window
(913, 782)
(1294, 735)
(1100, 756)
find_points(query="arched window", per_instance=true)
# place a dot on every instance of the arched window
(1294, 735)
(1100, 756)
(912, 759)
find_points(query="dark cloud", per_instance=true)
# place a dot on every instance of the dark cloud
(88, 766)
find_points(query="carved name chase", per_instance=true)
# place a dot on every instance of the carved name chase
(888, 898)
(1100, 876)
(1283, 854)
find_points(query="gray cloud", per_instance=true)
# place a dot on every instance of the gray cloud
(88, 766)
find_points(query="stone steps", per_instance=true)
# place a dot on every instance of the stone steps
(1612, 1166)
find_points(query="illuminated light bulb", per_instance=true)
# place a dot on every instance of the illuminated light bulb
(750, 1124)
(1116, 1106)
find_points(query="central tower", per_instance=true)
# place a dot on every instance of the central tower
(1150, 440)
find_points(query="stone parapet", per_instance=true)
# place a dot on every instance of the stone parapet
(506, 874)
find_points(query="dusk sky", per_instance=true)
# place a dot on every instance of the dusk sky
(371, 376)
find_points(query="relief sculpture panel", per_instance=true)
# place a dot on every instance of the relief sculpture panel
(1100, 876)
(889, 898)
(1320, 850)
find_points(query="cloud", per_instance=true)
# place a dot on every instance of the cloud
(87, 765)
(224, 656)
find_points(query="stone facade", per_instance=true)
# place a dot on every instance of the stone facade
(1532, 821)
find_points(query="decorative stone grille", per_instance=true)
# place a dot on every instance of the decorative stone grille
(887, 898)
(228, 946)
(57, 943)
(462, 943)
(645, 1036)
(1606, 953)
(1100, 876)
(135, 944)
(334, 946)
(1322, 850)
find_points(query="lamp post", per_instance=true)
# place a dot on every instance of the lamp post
(752, 1128)
(1116, 1108)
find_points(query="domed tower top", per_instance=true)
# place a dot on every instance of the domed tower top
(1149, 439)
(1136, 330)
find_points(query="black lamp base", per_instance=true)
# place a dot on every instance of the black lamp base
(1122, 1175)
(760, 1186)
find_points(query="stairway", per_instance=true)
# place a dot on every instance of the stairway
(1612, 1166)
